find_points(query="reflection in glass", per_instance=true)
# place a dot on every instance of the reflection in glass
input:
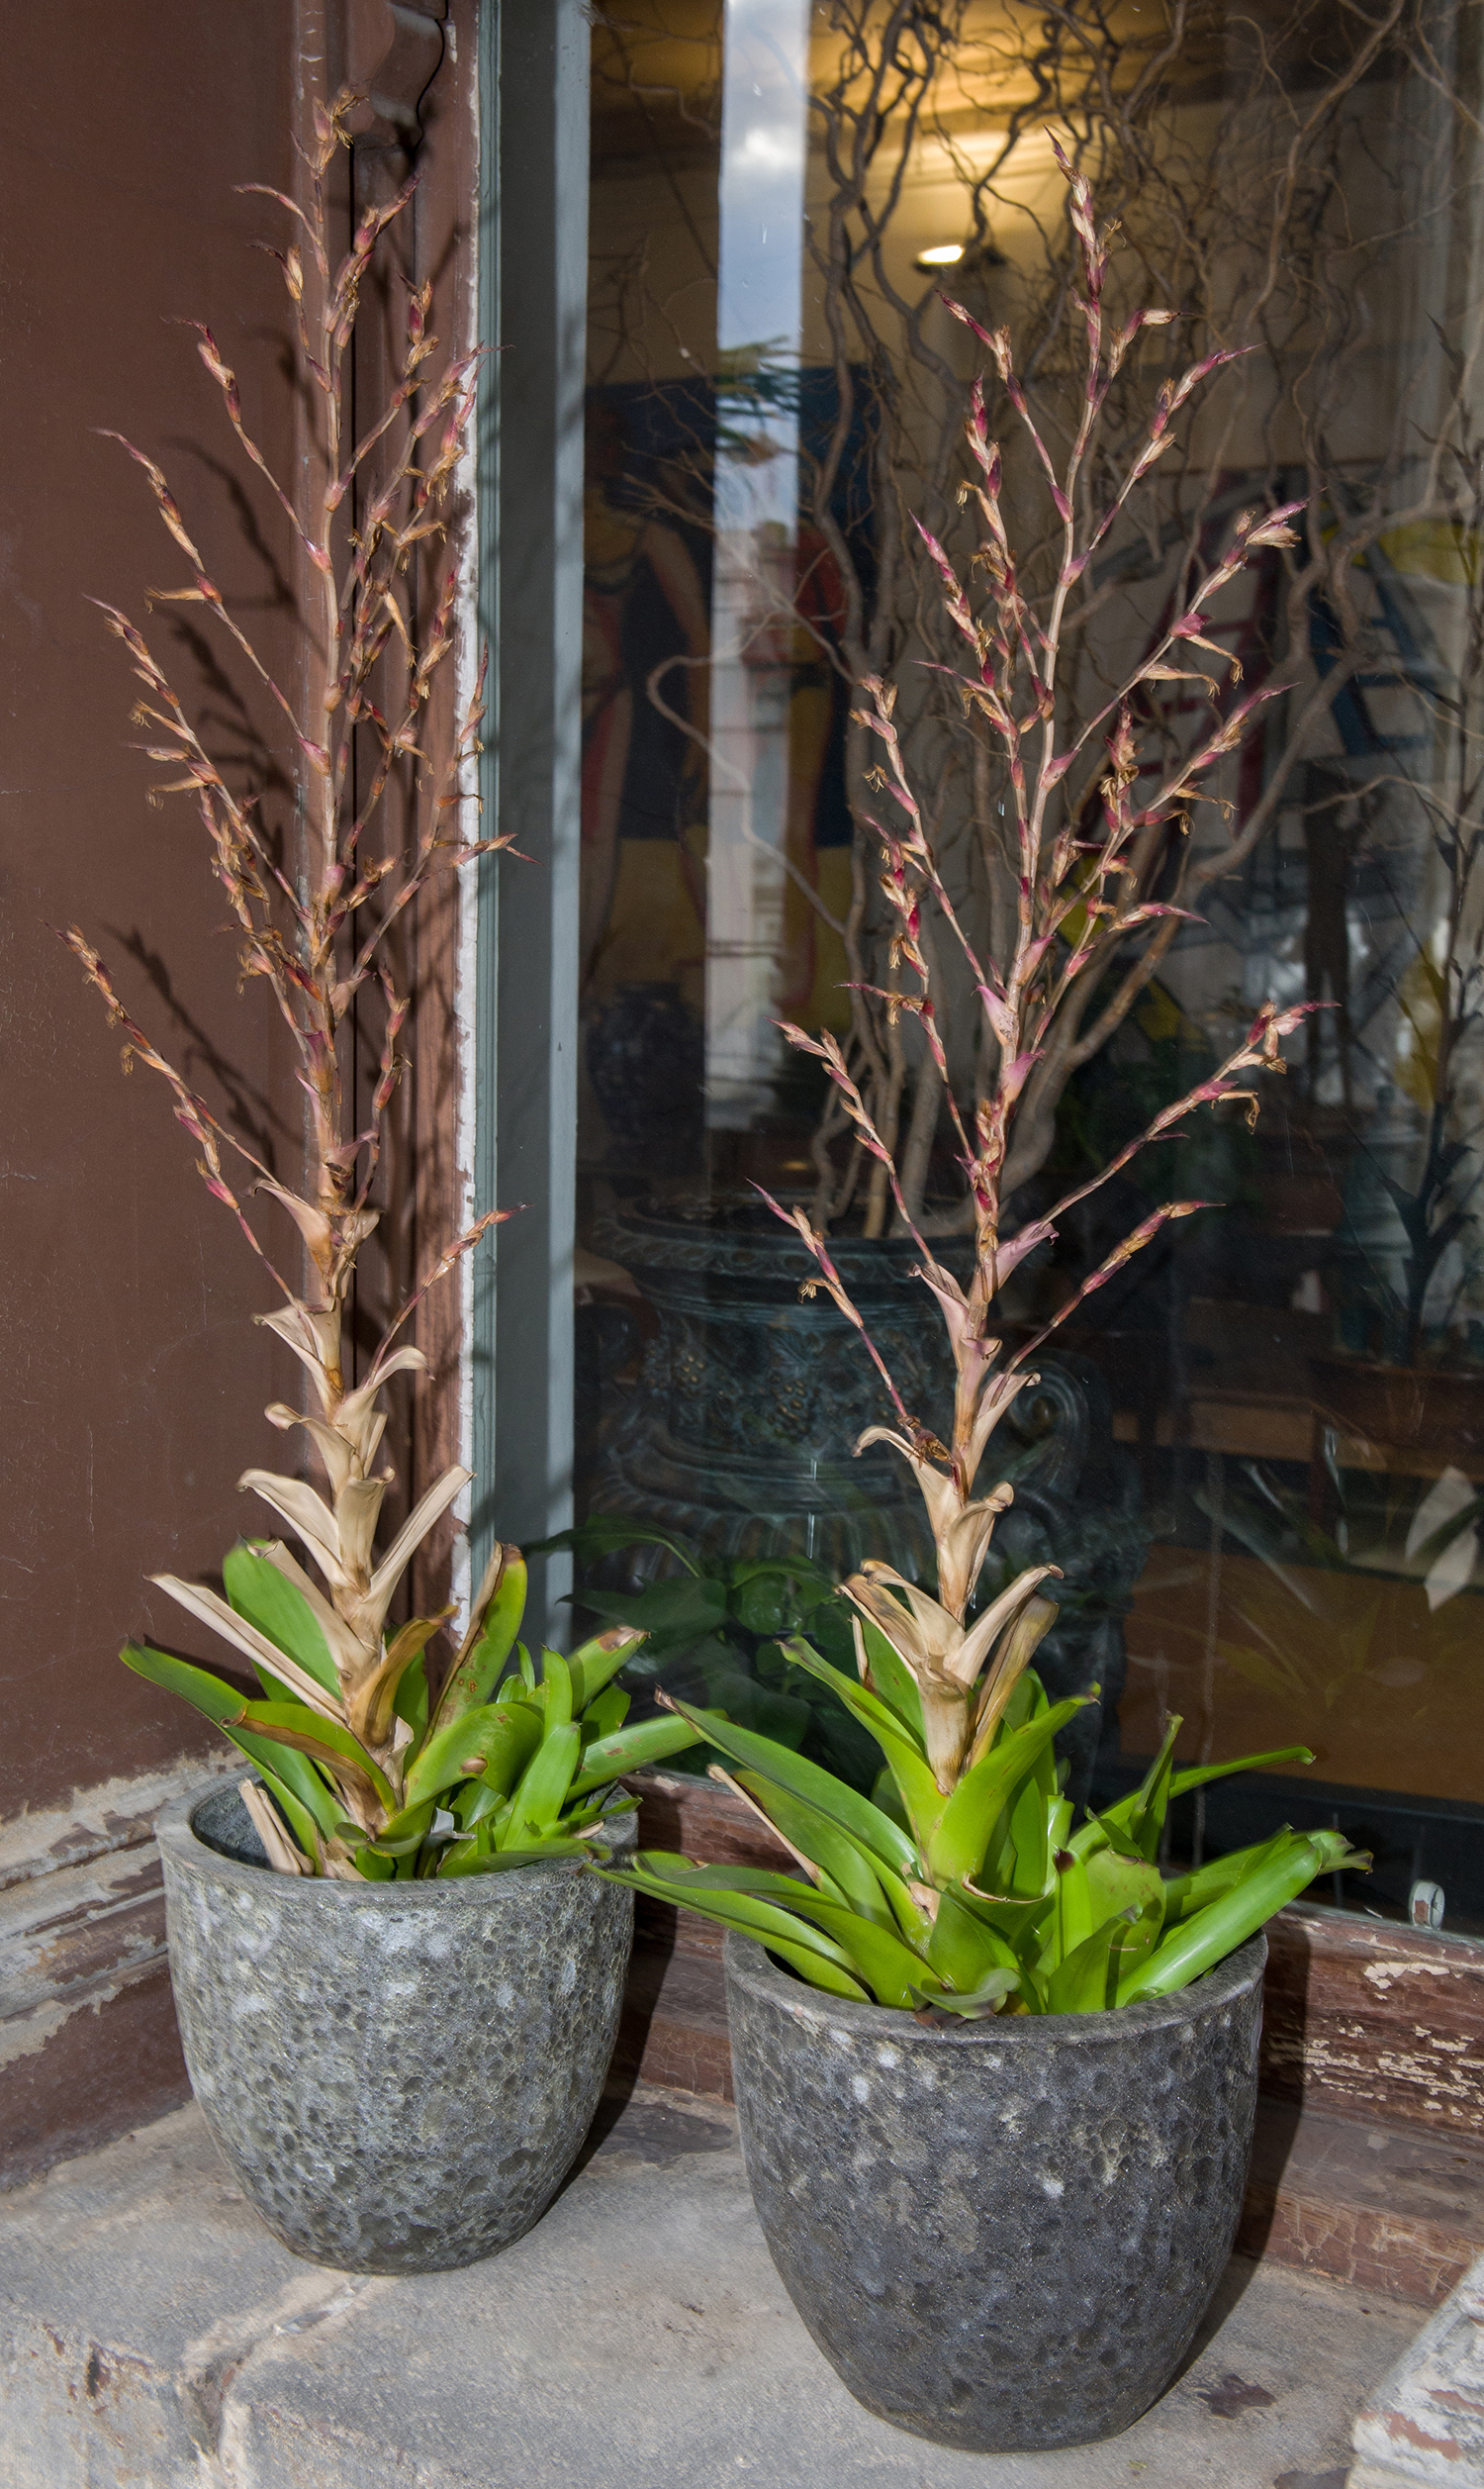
(1261, 1455)
(755, 514)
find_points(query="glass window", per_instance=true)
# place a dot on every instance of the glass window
(1257, 1451)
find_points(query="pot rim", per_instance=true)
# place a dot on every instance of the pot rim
(175, 1833)
(749, 1966)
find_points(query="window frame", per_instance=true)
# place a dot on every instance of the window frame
(533, 91)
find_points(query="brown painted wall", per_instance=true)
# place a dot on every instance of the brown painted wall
(134, 1380)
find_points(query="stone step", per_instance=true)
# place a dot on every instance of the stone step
(156, 2337)
(1397, 2209)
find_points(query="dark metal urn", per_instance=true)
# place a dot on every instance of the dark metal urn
(646, 1060)
(398, 2076)
(1004, 2235)
(739, 1428)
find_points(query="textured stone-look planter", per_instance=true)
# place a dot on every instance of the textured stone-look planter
(398, 2076)
(1001, 2236)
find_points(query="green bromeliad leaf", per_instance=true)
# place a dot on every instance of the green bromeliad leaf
(410, 1700)
(605, 1715)
(978, 2003)
(493, 1743)
(799, 1777)
(807, 1950)
(1018, 1863)
(1204, 1939)
(196, 1685)
(865, 1882)
(877, 1955)
(1183, 1895)
(594, 1665)
(958, 1845)
(258, 1590)
(543, 1788)
(630, 1748)
(1136, 1822)
(224, 1704)
(1070, 1922)
(344, 1756)
(492, 1638)
(891, 1969)
(1141, 1932)
(966, 1950)
(1020, 1921)
(1199, 1775)
(891, 1678)
(906, 1760)
(403, 1836)
(556, 1686)
(1082, 1979)
(1121, 1883)
(464, 1860)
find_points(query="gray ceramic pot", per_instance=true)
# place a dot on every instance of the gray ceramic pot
(1001, 2236)
(399, 2076)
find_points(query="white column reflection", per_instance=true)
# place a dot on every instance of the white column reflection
(758, 330)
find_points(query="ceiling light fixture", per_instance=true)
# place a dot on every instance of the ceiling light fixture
(940, 255)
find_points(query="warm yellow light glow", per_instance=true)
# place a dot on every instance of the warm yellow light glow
(940, 255)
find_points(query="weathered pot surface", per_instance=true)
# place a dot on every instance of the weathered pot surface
(399, 2076)
(1002, 2235)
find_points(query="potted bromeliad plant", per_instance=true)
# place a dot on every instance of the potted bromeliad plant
(396, 1990)
(996, 2071)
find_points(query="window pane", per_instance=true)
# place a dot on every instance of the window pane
(1257, 1451)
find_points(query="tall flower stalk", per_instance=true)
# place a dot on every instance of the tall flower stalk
(1077, 907)
(320, 934)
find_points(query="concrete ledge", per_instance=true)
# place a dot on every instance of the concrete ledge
(638, 2338)
(1426, 2423)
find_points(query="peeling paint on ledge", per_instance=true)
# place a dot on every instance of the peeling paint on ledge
(116, 1814)
(1375, 2020)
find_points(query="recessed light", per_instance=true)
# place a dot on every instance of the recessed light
(938, 256)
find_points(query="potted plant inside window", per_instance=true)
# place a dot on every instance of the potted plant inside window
(397, 1993)
(997, 2074)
